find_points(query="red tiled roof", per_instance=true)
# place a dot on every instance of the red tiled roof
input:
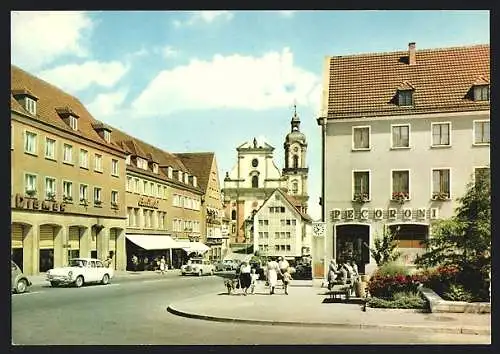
(50, 100)
(366, 84)
(200, 163)
(296, 204)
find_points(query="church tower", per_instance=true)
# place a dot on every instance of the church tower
(296, 169)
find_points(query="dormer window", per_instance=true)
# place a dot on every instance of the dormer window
(103, 130)
(30, 105)
(179, 176)
(482, 93)
(26, 99)
(170, 172)
(405, 97)
(195, 181)
(127, 160)
(155, 168)
(69, 116)
(186, 178)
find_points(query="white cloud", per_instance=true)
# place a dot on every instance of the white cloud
(287, 13)
(204, 17)
(77, 77)
(235, 81)
(39, 37)
(107, 104)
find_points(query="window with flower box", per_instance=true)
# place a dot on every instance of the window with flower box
(401, 185)
(361, 186)
(30, 184)
(84, 194)
(50, 188)
(67, 191)
(97, 196)
(440, 184)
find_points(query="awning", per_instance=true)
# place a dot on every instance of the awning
(238, 257)
(189, 247)
(154, 242)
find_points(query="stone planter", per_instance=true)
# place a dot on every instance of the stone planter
(437, 304)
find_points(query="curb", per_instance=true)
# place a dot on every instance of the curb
(452, 330)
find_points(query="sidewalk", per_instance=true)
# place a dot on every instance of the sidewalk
(306, 306)
(40, 279)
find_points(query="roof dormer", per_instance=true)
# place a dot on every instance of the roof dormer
(103, 130)
(186, 178)
(179, 175)
(68, 116)
(127, 159)
(405, 94)
(26, 99)
(170, 172)
(155, 167)
(481, 89)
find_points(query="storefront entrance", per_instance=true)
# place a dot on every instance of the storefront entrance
(46, 246)
(74, 236)
(113, 236)
(17, 244)
(351, 244)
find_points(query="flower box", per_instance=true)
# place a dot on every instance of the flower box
(67, 199)
(360, 197)
(440, 196)
(400, 197)
(84, 201)
(51, 197)
(31, 192)
(97, 202)
(114, 205)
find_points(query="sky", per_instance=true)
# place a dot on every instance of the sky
(196, 81)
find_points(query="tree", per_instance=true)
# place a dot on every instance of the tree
(384, 250)
(464, 240)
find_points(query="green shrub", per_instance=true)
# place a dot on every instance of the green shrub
(401, 300)
(457, 292)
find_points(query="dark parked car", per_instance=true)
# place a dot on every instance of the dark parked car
(19, 282)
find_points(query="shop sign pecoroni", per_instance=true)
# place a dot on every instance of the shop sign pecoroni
(380, 213)
(36, 204)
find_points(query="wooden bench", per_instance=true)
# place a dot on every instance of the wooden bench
(339, 289)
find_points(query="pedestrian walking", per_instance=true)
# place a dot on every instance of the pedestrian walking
(283, 265)
(162, 265)
(272, 275)
(245, 277)
(254, 277)
(287, 278)
(135, 262)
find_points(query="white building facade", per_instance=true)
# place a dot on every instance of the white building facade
(403, 133)
(281, 229)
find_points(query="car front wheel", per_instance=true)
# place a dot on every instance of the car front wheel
(79, 281)
(54, 284)
(21, 286)
(105, 279)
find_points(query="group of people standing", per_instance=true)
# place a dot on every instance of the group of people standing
(274, 271)
(342, 272)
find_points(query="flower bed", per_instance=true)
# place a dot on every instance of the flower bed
(403, 300)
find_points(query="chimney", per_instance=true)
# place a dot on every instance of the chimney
(412, 58)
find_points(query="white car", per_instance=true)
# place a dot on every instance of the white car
(80, 271)
(198, 266)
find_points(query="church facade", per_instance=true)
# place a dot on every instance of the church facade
(255, 177)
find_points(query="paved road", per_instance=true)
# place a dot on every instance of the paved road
(133, 311)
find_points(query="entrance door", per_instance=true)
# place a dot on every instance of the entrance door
(93, 243)
(46, 245)
(352, 241)
(17, 244)
(74, 242)
(113, 235)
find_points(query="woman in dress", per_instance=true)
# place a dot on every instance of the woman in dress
(272, 274)
(162, 265)
(245, 277)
